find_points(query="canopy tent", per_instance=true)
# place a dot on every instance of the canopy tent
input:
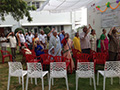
(65, 5)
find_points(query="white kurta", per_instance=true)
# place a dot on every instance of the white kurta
(93, 42)
(55, 41)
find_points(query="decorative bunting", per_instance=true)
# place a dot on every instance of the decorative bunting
(108, 5)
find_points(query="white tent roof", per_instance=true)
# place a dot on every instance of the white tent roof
(65, 5)
(44, 24)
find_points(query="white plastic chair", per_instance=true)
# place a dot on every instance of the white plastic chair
(85, 70)
(35, 71)
(58, 70)
(111, 69)
(16, 70)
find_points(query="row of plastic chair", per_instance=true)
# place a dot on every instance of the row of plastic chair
(46, 59)
(34, 70)
(58, 70)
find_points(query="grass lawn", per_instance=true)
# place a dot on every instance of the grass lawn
(59, 84)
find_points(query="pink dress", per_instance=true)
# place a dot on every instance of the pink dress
(106, 42)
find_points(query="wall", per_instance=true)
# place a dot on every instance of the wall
(68, 29)
(94, 16)
(10, 21)
(46, 17)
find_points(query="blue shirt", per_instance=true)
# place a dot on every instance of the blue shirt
(61, 38)
(38, 50)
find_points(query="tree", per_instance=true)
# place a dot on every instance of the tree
(16, 8)
(46, 30)
(19, 29)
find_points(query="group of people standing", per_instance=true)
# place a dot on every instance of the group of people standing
(84, 42)
(19, 39)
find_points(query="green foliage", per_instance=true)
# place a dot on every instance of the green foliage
(19, 29)
(31, 7)
(16, 8)
(46, 30)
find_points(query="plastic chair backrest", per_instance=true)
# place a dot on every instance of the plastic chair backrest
(30, 58)
(82, 57)
(59, 59)
(85, 66)
(7, 53)
(34, 67)
(57, 66)
(100, 56)
(113, 66)
(14, 66)
(45, 51)
(47, 57)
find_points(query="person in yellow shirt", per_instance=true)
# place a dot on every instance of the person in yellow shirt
(76, 42)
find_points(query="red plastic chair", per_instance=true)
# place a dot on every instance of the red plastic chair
(33, 52)
(82, 57)
(63, 59)
(46, 59)
(7, 55)
(75, 52)
(45, 51)
(99, 58)
(107, 54)
(92, 52)
(32, 58)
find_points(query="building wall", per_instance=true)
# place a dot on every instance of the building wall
(94, 16)
(68, 19)
(10, 21)
(46, 17)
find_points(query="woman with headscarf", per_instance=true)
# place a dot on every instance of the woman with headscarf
(67, 45)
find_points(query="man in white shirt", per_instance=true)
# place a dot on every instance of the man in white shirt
(3, 41)
(29, 38)
(85, 40)
(13, 44)
(21, 39)
(42, 38)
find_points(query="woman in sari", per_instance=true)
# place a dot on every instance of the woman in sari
(93, 40)
(104, 41)
(67, 44)
(76, 42)
(35, 39)
(38, 48)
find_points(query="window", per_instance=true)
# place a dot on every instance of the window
(62, 27)
(36, 4)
